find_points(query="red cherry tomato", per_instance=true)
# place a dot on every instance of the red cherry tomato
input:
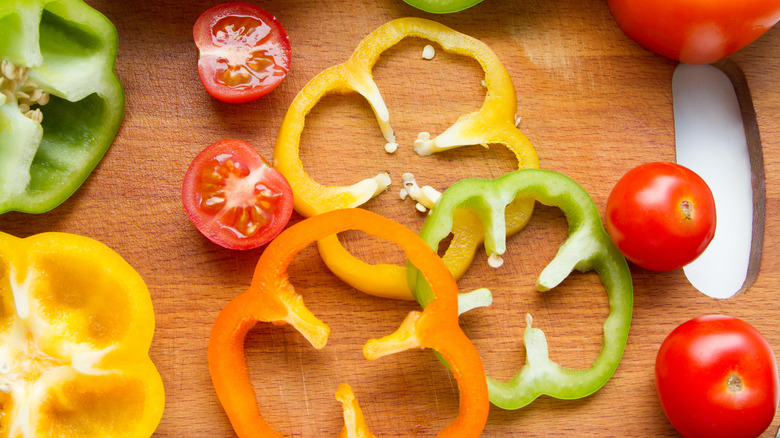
(661, 216)
(234, 197)
(695, 31)
(717, 376)
(244, 52)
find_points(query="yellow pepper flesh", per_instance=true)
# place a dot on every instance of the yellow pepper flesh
(76, 323)
(493, 123)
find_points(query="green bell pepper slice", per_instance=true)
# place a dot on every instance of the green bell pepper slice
(442, 6)
(61, 102)
(587, 247)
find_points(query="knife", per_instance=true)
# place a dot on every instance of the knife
(716, 136)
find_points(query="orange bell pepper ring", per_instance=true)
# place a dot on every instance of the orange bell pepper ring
(271, 298)
(354, 422)
(494, 122)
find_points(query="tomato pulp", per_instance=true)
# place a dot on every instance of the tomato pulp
(661, 216)
(717, 376)
(244, 52)
(234, 197)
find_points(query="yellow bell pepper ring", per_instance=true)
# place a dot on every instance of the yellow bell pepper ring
(76, 323)
(494, 122)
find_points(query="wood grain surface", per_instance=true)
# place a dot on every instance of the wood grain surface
(592, 102)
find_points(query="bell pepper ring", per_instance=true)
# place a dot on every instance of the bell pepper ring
(60, 101)
(354, 422)
(442, 6)
(587, 247)
(76, 323)
(493, 123)
(271, 298)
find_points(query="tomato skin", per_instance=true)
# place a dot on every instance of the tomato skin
(693, 368)
(234, 198)
(661, 216)
(695, 31)
(244, 52)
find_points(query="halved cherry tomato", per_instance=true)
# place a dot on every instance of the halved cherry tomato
(717, 376)
(244, 52)
(661, 216)
(234, 197)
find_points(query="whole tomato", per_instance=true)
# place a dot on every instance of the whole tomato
(717, 376)
(695, 31)
(661, 216)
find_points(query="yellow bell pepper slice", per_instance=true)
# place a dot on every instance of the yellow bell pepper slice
(76, 323)
(493, 123)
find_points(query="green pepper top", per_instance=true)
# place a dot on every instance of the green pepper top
(60, 101)
(588, 247)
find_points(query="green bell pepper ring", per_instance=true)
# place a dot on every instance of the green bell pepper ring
(60, 101)
(442, 6)
(588, 247)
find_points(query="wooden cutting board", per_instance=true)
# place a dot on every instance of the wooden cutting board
(592, 102)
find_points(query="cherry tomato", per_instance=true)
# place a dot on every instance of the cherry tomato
(717, 376)
(695, 31)
(244, 52)
(234, 197)
(661, 216)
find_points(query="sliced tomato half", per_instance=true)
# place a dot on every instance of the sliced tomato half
(234, 197)
(244, 52)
